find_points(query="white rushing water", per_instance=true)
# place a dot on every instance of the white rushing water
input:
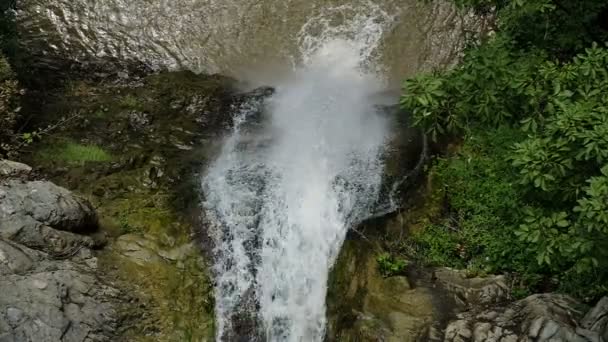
(283, 192)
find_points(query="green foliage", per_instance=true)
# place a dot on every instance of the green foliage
(561, 27)
(478, 232)
(520, 292)
(489, 87)
(390, 265)
(83, 153)
(9, 109)
(536, 202)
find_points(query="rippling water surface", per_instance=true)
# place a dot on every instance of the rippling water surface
(236, 37)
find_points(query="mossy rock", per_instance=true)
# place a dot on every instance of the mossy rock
(134, 149)
(365, 305)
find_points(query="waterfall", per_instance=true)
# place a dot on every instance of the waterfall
(285, 189)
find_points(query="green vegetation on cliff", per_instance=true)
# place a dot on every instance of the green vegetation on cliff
(8, 107)
(9, 87)
(528, 191)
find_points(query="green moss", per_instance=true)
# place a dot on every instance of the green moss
(179, 299)
(179, 293)
(72, 153)
(129, 101)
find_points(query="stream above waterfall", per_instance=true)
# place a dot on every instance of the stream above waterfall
(247, 39)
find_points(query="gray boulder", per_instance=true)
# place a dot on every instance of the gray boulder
(49, 290)
(472, 291)
(45, 203)
(596, 322)
(10, 168)
(44, 216)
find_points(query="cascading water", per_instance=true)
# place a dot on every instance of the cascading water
(284, 191)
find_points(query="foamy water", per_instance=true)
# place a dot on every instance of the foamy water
(283, 196)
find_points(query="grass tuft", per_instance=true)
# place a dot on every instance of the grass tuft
(76, 153)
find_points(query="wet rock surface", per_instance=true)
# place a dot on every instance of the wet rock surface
(363, 305)
(469, 291)
(49, 286)
(9, 168)
(541, 317)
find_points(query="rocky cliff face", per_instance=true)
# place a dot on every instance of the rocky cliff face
(121, 260)
(541, 317)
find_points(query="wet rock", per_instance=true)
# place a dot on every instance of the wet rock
(138, 249)
(144, 250)
(24, 204)
(405, 156)
(13, 169)
(596, 321)
(473, 291)
(56, 302)
(365, 306)
(543, 317)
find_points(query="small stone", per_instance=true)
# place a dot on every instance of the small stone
(549, 330)
(11, 168)
(14, 316)
(481, 330)
(40, 284)
(139, 121)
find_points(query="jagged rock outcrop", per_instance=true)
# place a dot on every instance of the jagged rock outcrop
(472, 291)
(44, 216)
(363, 305)
(48, 286)
(596, 320)
(541, 317)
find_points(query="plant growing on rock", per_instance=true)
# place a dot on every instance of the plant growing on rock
(390, 265)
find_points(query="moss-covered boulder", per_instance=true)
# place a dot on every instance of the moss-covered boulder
(365, 305)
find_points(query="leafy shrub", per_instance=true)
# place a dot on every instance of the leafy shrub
(491, 87)
(390, 265)
(535, 202)
(484, 208)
